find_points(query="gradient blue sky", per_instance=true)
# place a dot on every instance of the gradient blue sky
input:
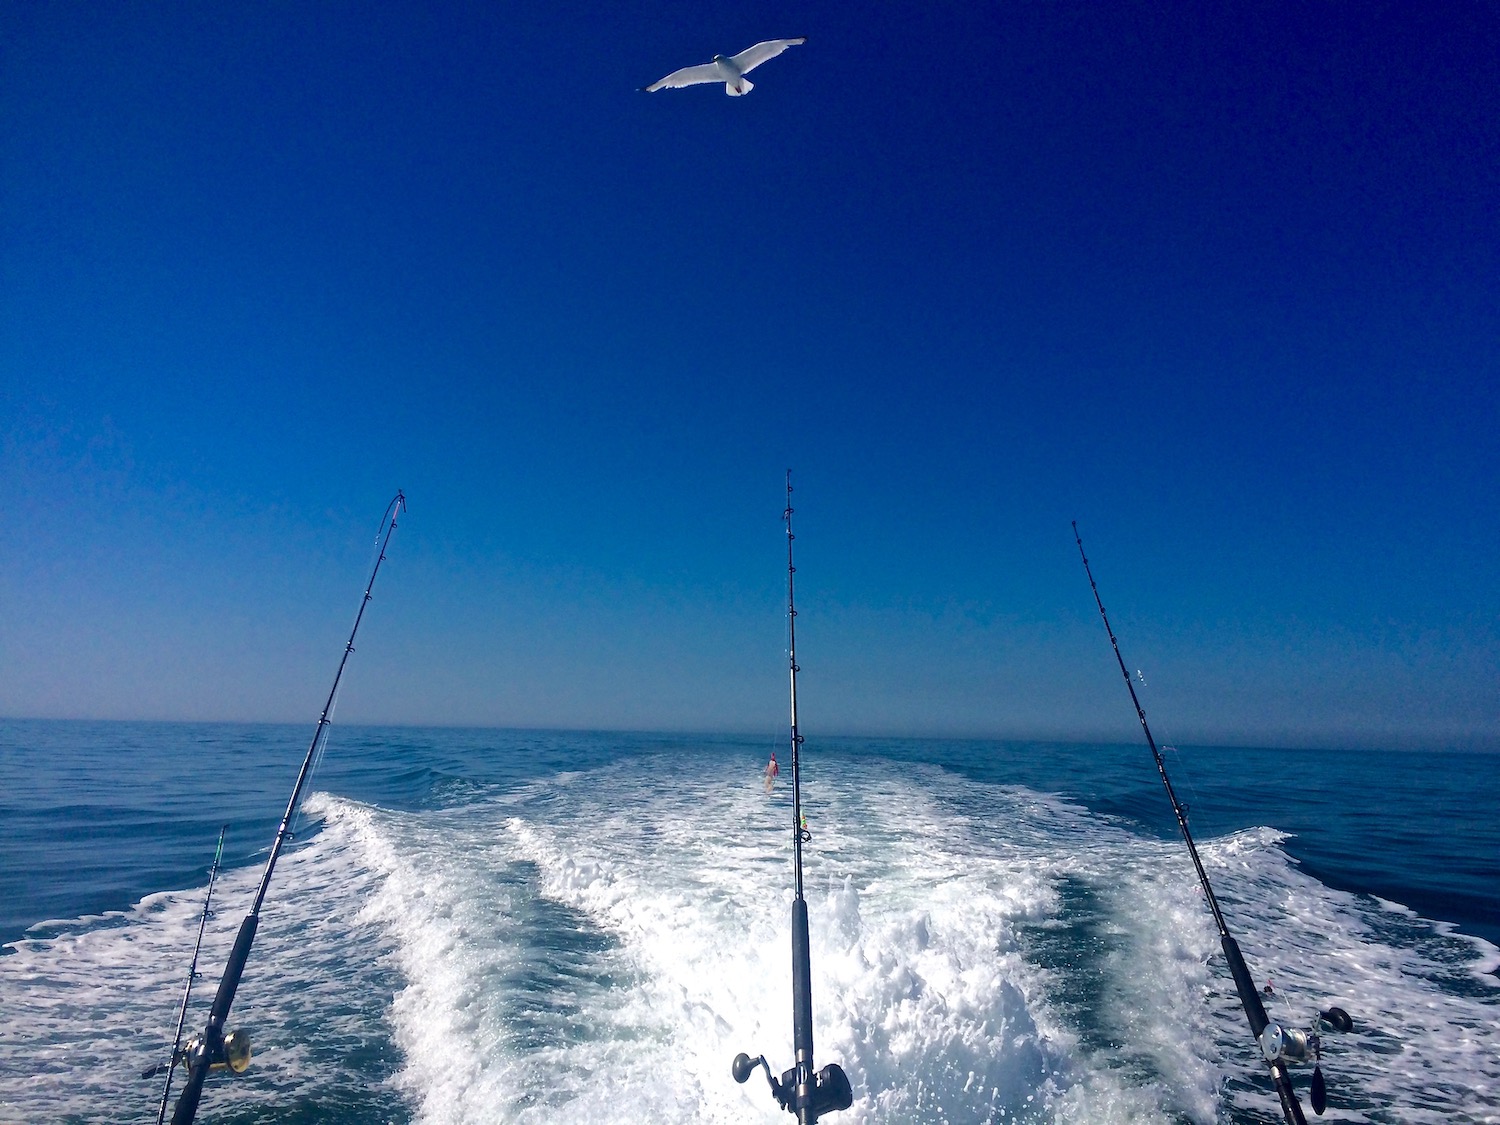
(1219, 281)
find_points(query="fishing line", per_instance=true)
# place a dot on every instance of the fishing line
(1184, 770)
(1169, 746)
(300, 820)
(174, 1056)
(325, 732)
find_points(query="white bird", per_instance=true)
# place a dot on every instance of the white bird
(730, 71)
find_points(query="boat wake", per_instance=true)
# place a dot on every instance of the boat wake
(599, 946)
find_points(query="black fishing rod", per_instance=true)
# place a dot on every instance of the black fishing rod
(175, 1056)
(1278, 1045)
(801, 1091)
(213, 1049)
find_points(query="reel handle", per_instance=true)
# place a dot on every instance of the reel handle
(830, 1087)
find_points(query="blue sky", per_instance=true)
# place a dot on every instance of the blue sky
(1221, 282)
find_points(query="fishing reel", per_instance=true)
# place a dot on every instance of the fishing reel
(824, 1092)
(1292, 1045)
(232, 1054)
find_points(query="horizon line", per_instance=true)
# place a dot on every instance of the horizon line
(1353, 741)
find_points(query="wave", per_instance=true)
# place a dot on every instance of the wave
(598, 946)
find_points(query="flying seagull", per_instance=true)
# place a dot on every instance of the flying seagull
(730, 71)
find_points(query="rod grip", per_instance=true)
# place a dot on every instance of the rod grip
(192, 1093)
(1291, 1108)
(1255, 1011)
(802, 1034)
(230, 981)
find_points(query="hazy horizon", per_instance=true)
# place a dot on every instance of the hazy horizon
(775, 739)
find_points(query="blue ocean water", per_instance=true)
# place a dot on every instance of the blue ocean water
(517, 926)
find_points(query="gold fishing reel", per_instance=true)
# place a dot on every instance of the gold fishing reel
(233, 1054)
(237, 1051)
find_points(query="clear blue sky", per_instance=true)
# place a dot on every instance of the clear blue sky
(1219, 281)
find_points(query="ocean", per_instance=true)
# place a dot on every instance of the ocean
(528, 926)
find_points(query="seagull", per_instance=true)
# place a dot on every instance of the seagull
(730, 71)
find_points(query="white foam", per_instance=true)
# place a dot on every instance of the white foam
(1423, 1046)
(89, 1008)
(600, 950)
(913, 1001)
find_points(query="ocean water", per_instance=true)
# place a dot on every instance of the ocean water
(512, 926)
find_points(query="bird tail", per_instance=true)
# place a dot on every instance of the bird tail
(735, 89)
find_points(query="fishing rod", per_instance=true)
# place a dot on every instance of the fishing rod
(175, 1056)
(800, 1091)
(213, 1049)
(1278, 1045)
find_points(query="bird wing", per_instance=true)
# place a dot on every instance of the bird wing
(689, 76)
(752, 57)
